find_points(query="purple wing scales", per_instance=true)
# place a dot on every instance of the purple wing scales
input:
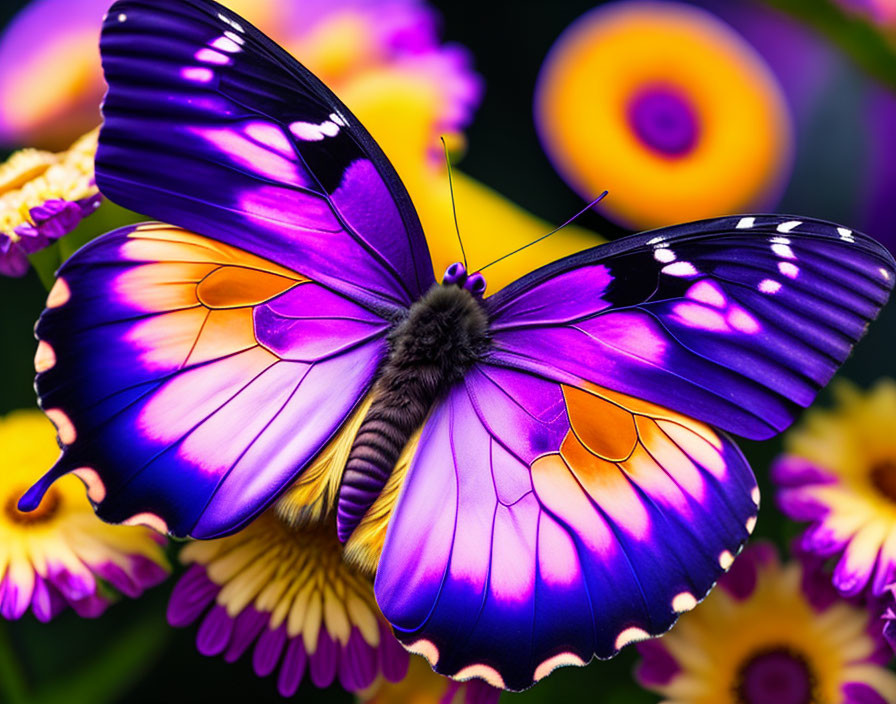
(193, 379)
(543, 553)
(216, 129)
(734, 321)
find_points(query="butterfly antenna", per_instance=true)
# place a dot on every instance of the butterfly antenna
(554, 231)
(453, 205)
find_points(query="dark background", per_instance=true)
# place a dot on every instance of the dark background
(509, 42)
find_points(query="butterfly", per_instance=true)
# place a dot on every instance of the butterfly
(571, 486)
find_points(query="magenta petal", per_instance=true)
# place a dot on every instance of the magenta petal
(794, 471)
(92, 606)
(248, 625)
(324, 660)
(13, 261)
(850, 581)
(796, 504)
(74, 587)
(657, 666)
(214, 632)
(191, 595)
(119, 579)
(740, 580)
(861, 693)
(47, 602)
(394, 659)
(479, 692)
(821, 540)
(146, 572)
(293, 668)
(357, 667)
(14, 599)
(267, 651)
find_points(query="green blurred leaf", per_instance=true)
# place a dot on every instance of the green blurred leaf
(857, 37)
(13, 688)
(45, 263)
(105, 677)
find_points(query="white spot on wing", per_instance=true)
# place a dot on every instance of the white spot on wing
(656, 240)
(726, 559)
(680, 269)
(769, 286)
(630, 635)
(754, 494)
(338, 119)
(885, 273)
(789, 270)
(745, 223)
(226, 44)
(664, 255)
(197, 74)
(845, 234)
(780, 240)
(309, 132)
(784, 251)
(210, 56)
(750, 524)
(233, 23)
(234, 37)
(122, 17)
(685, 601)
(789, 225)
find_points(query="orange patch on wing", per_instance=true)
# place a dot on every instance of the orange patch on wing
(96, 490)
(163, 286)
(59, 294)
(607, 430)
(223, 333)
(606, 483)
(65, 429)
(235, 286)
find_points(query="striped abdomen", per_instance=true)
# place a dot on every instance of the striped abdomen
(444, 334)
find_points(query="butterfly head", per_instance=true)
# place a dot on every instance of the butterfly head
(456, 275)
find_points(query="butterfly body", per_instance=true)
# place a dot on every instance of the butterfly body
(571, 486)
(431, 349)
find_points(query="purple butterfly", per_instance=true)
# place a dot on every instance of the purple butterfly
(572, 488)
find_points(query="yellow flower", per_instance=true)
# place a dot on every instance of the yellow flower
(286, 591)
(423, 686)
(62, 554)
(762, 638)
(666, 107)
(43, 196)
(839, 472)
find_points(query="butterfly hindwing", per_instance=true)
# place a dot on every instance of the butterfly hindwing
(542, 523)
(190, 380)
(571, 495)
(211, 126)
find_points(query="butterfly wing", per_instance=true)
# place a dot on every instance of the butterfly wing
(737, 321)
(193, 376)
(582, 499)
(568, 522)
(191, 381)
(211, 126)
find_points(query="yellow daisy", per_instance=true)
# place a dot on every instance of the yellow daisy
(62, 554)
(762, 638)
(669, 109)
(286, 591)
(839, 473)
(423, 686)
(44, 196)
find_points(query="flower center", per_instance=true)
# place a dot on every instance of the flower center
(776, 675)
(664, 120)
(883, 476)
(48, 508)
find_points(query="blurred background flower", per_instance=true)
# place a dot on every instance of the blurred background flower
(287, 591)
(839, 473)
(689, 110)
(423, 686)
(663, 103)
(44, 196)
(761, 639)
(62, 554)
